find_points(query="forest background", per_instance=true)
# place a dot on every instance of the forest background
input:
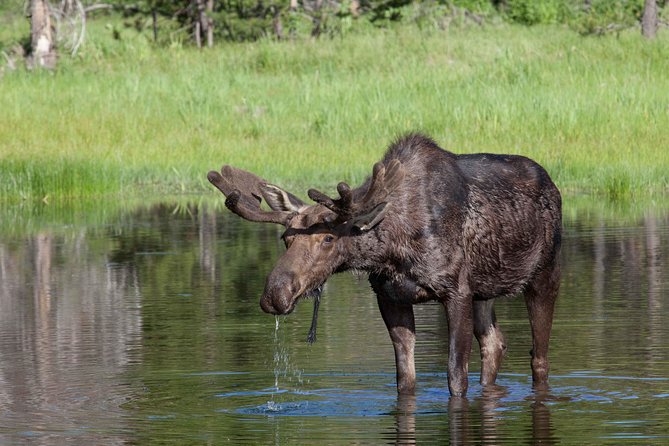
(146, 96)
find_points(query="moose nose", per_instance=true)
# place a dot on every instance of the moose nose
(266, 305)
(280, 293)
(277, 303)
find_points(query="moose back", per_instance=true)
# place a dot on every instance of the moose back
(427, 225)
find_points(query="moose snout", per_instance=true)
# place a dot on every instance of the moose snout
(279, 295)
(266, 305)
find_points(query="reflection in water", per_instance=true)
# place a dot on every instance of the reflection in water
(542, 430)
(479, 421)
(67, 320)
(491, 402)
(405, 419)
(148, 331)
(459, 421)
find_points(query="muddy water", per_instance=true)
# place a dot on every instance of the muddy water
(143, 327)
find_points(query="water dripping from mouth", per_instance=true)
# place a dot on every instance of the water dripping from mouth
(271, 405)
(277, 358)
(285, 374)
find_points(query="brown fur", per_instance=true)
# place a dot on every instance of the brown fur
(428, 225)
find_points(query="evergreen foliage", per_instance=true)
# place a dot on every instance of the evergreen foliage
(170, 21)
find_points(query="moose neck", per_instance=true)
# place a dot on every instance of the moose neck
(369, 251)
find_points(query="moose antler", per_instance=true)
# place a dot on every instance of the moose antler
(244, 193)
(385, 179)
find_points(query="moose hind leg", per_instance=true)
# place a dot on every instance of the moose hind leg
(490, 339)
(540, 298)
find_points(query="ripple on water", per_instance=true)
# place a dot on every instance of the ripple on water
(379, 398)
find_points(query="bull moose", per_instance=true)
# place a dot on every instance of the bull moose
(428, 225)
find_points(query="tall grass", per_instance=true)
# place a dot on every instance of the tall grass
(127, 117)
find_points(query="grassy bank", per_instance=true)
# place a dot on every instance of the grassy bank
(127, 117)
(30, 217)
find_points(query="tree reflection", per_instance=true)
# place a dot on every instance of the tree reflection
(67, 322)
(616, 276)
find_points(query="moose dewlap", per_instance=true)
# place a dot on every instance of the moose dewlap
(427, 225)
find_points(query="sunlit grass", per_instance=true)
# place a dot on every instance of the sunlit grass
(131, 118)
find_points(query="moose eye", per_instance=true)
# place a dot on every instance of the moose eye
(328, 239)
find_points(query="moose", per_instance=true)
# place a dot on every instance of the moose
(428, 225)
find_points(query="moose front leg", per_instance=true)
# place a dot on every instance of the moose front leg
(401, 327)
(460, 325)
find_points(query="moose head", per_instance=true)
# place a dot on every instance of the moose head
(319, 238)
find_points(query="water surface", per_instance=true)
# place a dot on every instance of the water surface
(143, 327)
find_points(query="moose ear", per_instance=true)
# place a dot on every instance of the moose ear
(370, 219)
(280, 200)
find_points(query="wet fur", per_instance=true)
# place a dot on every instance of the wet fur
(496, 219)
(458, 229)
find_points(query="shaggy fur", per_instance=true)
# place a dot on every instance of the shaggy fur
(429, 225)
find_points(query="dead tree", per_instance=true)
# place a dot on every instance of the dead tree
(203, 23)
(42, 42)
(649, 19)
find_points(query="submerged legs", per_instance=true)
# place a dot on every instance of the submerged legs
(399, 320)
(490, 339)
(459, 314)
(400, 324)
(540, 300)
(467, 316)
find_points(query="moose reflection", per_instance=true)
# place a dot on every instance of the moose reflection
(427, 225)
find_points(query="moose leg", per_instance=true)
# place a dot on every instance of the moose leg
(540, 298)
(460, 325)
(401, 327)
(490, 338)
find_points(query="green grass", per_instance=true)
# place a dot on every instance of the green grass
(125, 117)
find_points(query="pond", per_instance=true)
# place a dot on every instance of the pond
(141, 326)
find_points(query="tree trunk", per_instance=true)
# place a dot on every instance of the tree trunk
(277, 25)
(210, 23)
(198, 34)
(67, 6)
(317, 18)
(355, 8)
(649, 19)
(42, 38)
(198, 8)
(154, 23)
(203, 24)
